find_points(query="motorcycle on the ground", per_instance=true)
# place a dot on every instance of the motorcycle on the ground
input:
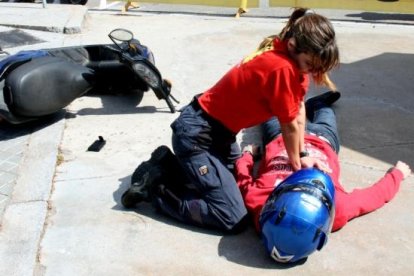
(38, 83)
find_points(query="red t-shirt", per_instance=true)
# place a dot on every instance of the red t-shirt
(265, 84)
(275, 167)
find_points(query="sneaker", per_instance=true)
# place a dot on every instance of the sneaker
(147, 175)
(134, 195)
(322, 100)
(161, 156)
(141, 190)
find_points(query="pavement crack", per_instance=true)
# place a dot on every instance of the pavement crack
(29, 201)
(386, 145)
(363, 166)
(84, 178)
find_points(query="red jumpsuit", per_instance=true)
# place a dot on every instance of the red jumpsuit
(275, 167)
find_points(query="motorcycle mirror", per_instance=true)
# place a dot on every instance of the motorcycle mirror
(121, 35)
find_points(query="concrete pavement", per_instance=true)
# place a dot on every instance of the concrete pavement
(69, 221)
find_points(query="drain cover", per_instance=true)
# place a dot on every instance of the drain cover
(16, 38)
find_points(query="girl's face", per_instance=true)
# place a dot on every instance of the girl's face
(304, 61)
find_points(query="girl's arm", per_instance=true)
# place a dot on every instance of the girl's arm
(301, 122)
(294, 139)
(291, 138)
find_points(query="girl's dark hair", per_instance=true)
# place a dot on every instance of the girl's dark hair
(314, 35)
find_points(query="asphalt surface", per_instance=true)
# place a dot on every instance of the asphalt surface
(60, 205)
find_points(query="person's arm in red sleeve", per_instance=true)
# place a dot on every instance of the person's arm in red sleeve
(244, 170)
(362, 201)
(244, 167)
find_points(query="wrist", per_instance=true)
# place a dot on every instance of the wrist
(303, 153)
(248, 149)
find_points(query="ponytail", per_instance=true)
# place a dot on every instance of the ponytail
(286, 31)
(284, 34)
(266, 42)
(324, 79)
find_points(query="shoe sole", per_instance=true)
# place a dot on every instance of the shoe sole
(327, 98)
(131, 198)
(156, 157)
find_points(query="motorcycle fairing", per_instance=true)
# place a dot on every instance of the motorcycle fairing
(45, 85)
(110, 73)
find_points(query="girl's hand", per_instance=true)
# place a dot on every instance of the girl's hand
(404, 168)
(310, 162)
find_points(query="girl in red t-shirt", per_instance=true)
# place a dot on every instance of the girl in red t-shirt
(270, 82)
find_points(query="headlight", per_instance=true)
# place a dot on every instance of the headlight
(148, 75)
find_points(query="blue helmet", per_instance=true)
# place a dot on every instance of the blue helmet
(298, 215)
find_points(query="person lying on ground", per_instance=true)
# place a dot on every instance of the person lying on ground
(321, 142)
(294, 211)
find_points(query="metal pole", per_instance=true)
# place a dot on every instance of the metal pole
(44, 3)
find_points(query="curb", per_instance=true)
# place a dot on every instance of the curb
(25, 216)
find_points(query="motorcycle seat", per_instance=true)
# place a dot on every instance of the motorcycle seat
(78, 55)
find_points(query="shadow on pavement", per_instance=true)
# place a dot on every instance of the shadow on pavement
(148, 210)
(376, 16)
(376, 112)
(123, 186)
(10, 131)
(16, 37)
(247, 249)
(125, 103)
(111, 104)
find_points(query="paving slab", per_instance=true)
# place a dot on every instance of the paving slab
(20, 236)
(53, 18)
